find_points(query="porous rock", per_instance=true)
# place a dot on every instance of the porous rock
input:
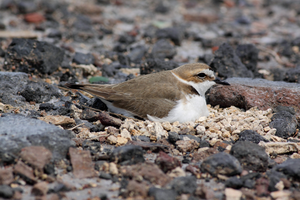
(18, 132)
(34, 54)
(228, 64)
(247, 93)
(251, 156)
(221, 163)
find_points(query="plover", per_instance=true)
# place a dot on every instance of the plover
(174, 95)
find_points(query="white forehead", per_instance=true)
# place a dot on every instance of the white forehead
(208, 72)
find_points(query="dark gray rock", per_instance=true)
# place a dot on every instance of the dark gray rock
(234, 182)
(184, 184)
(251, 156)
(92, 146)
(105, 176)
(142, 138)
(221, 163)
(157, 65)
(163, 49)
(18, 131)
(248, 54)
(158, 193)
(40, 92)
(293, 75)
(6, 191)
(285, 123)
(27, 7)
(176, 34)
(173, 137)
(85, 59)
(228, 64)
(290, 167)
(12, 83)
(27, 55)
(274, 178)
(128, 155)
(251, 136)
(136, 54)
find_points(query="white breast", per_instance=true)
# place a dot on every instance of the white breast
(190, 109)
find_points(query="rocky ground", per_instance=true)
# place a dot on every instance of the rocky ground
(55, 143)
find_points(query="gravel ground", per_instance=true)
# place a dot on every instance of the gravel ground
(57, 143)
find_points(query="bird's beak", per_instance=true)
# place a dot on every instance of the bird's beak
(219, 81)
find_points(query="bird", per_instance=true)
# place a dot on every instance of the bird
(172, 95)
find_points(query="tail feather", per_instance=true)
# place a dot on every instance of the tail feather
(74, 86)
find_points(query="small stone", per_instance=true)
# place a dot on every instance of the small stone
(36, 156)
(148, 171)
(285, 124)
(280, 147)
(173, 137)
(291, 168)
(159, 193)
(177, 172)
(166, 162)
(233, 194)
(166, 125)
(184, 185)
(187, 146)
(6, 176)
(121, 141)
(128, 154)
(200, 130)
(252, 136)
(57, 120)
(113, 169)
(281, 194)
(112, 139)
(159, 131)
(40, 189)
(25, 171)
(125, 134)
(83, 166)
(251, 156)
(6, 191)
(221, 164)
(34, 18)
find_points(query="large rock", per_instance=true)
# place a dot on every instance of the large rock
(44, 57)
(251, 156)
(227, 63)
(18, 132)
(247, 93)
(285, 123)
(221, 164)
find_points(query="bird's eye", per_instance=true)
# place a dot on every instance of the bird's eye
(201, 75)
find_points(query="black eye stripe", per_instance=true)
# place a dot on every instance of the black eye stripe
(201, 75)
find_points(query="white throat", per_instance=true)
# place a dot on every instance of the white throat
(200, 87)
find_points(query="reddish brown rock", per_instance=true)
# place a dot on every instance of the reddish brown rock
(194, 170)
(36, 156)
(166, 162)
(6, 176)
(200, 17)
(24, 171)
(83, 166)
(40, 189)
(34, 18)
(247, 93)
(137, 189)
(200, 156)
(149, 171)
(261, 186)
